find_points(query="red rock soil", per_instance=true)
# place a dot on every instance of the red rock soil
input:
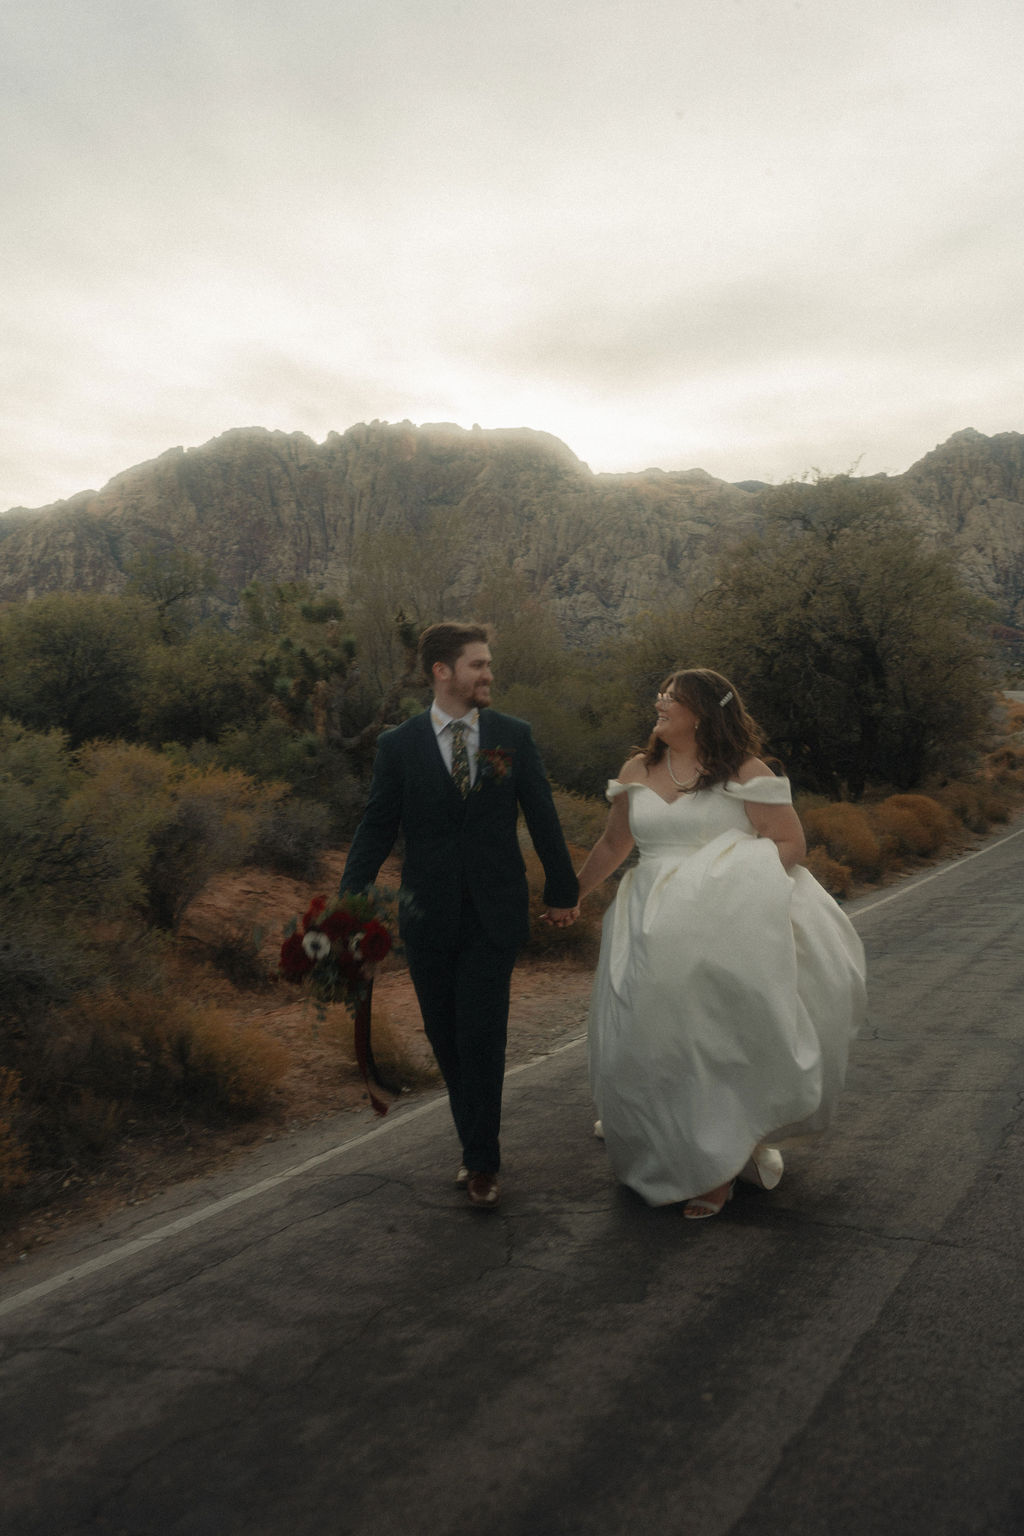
(549, 1003)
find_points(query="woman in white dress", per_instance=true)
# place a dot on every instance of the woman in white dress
(730, 984)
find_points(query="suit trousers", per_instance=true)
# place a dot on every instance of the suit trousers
(463, 991)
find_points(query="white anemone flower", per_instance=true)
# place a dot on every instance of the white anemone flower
(317, 945)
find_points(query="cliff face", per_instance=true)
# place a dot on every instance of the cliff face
(969, 495)
(273, 506)
(278, 507)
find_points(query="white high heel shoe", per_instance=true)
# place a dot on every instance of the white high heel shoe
(765, 1167)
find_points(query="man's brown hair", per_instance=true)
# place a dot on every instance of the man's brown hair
(445, 642)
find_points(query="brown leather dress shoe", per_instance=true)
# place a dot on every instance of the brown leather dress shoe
(483, 1191)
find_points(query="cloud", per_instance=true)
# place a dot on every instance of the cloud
(663, 230)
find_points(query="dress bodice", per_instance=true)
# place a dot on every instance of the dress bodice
(663, 828)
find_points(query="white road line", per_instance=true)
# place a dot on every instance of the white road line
(907, 888)
(206, 1212)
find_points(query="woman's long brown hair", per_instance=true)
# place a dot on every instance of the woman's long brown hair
(726, 734)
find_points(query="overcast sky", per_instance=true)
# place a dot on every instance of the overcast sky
(758, 237)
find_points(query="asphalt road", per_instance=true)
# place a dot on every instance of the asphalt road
(328, 1342)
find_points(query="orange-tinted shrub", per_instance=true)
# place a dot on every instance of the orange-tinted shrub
(914, 824)
(965, 802)
(143, 1048)
(835, 877)
(846, 833)
(1007, 760)
(233, 1067)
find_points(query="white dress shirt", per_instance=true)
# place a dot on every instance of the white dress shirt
(442, 730)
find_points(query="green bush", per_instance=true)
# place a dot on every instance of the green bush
(60, 869)
(73, 661)
(197, 690)
(273, 752)
(292, 837)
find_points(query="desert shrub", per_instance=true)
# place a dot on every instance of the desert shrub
(998, 802)
(186, 823)
(197, 689)
(211, 824)
(90, 1124)
(981, 802)
(73, 661)
(229, 1067)
(898, 831)
(237, 956)
(914, 824)
(61, 870)
(580, 726)
(154, 1050)
(316, 771)
(966, 802)
(846, 833)
(292, 837)
(835, 877)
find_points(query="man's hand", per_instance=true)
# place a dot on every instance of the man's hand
(560, 917)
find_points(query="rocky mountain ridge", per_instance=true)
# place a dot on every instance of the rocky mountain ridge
(275, 506)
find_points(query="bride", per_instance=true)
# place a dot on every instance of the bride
(729, 983)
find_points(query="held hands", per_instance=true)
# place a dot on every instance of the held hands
(560, 917)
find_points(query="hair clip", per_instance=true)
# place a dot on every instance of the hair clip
(723, 701)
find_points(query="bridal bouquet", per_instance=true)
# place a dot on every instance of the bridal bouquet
(335, 948)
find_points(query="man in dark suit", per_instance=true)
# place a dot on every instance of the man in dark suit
(453, 780)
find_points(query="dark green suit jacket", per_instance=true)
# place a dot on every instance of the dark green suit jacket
(455, 846)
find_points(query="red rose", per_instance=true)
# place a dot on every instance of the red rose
(316, 906)
(338, 925)
(294, 963)
(375, 943)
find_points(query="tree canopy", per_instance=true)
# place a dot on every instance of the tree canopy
(857, 645)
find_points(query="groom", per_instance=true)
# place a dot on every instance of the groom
(453, 780)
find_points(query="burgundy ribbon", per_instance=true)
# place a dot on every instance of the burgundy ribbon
(364, 1049)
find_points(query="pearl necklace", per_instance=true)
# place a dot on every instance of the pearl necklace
(678, 782)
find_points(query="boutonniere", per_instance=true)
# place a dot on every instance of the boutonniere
(494, 763)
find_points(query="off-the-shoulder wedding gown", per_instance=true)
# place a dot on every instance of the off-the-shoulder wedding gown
(725, 998)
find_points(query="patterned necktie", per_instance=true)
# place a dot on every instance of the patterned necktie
(460, 758)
